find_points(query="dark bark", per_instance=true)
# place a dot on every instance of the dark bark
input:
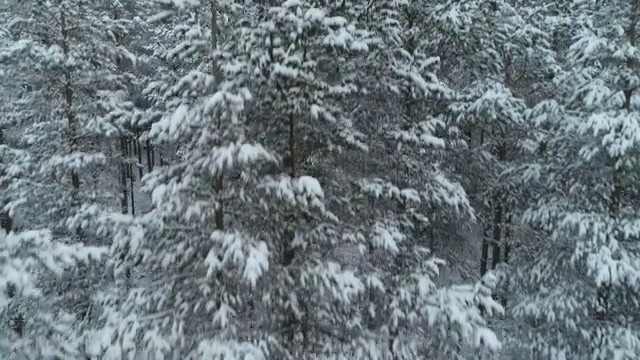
(498, 216)
(68, 96)
(484, 255)
(6, 222)
(124, 204)
(133, 200)
(219, 216)
(139, 152)
(497, 234)
(507, 248)
(507, 237)
(289, 252)
(150, 159)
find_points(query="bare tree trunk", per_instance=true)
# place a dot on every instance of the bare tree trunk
(124, 204)
(498, 217)
(6, 222)
(507, 249)
(72, 126)
(219, 180)
(139, 153)
(133, 200)
(150, 157)
(484, 255)
(497, 233)
(507, 237)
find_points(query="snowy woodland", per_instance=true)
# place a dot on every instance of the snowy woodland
(315, 179)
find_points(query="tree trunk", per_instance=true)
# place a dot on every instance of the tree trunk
(133, 204)
(219, 180)
(484, 255)
(507, 237)
(507, 249)
(124, 202)
(497, 233)
(6, 222)
(150, 158)
(139, 152)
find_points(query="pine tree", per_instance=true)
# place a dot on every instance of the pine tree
(380, 238)
(35, 328)
(578, 291)
(184, 254)
(60, 59)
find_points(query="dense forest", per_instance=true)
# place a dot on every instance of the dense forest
(315, 179)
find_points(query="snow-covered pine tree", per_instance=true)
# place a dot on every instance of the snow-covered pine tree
(295, 302)
(305, 304)
(496, 51)
(119, 96)
(192, 269)
(59, 59)
(33, 327)
(413, 195)
(298, 39)
(578, 293)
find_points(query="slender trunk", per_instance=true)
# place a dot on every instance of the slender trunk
(507, 249)
(289, 251)
(124, 202)
(219, 180)
(214, 36)
(484, 255)
(149, 149)
(6, 222)
(153, 157)
(133, 200)
(68, 96)
(219, 215)
(289, 231)
(484, 252)
(124, 148)
(498, 216)
(139, 152)
(432, 232)
(497, 233)
(131, 152)
(507, 237)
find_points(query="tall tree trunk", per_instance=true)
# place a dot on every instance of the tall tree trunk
(124, 202)
(133, 200)
(507, 248)
(6, 222)
(498, 216)
(139, 152)
(497, 233)
(150, 158)
(484, 253)
(219, 180)
(72, 125)
(288, 254)
(507, 236)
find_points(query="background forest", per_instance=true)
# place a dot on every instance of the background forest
(314, 179)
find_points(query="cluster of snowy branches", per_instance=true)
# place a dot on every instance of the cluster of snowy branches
(320, 161)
